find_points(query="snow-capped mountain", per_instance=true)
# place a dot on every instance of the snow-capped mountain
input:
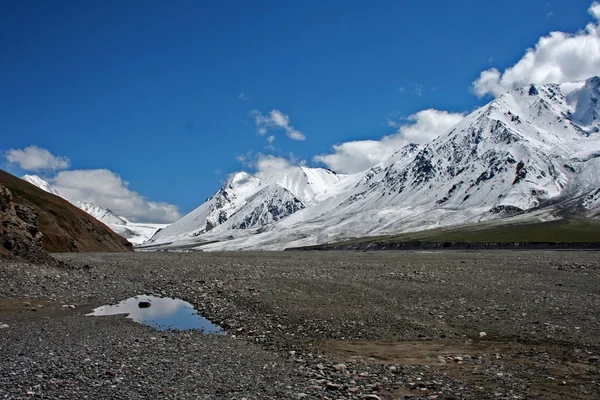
(42, 184)
(103, 214)
(247, 202)
(531, 149)
(136, 233)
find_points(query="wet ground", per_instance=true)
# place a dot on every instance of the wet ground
(358, 325)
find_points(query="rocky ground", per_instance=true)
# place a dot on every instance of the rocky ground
(316, 325)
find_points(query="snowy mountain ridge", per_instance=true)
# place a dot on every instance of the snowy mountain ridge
(42, 184)
(533, 148)
(103, 214)
(136, 233)
(246, 201)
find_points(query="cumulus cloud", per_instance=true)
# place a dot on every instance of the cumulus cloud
(266, 165)
(356, 156)
(556, 58)
(105, 188)
(36, 159)
(275, 120)
(269, 165)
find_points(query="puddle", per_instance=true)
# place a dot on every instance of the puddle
(161, 313)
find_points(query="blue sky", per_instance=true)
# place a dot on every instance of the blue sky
(171, 95)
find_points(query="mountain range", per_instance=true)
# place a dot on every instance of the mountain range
(135, 233)
(532, 154)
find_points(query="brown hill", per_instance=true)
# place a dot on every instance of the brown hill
(65, 228)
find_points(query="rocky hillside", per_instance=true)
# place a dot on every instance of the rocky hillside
(64, 227)
(19, 233)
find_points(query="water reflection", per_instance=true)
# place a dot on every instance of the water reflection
(162, 313)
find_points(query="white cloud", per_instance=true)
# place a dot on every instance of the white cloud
(265, 165)
(275, 120)
(418, 89)
(270, 139)
(36, 159)
(105, 188)
(269, 165)
(422, 127)
(557, 58)
(242, 96)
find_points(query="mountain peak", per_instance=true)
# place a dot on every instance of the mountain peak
(594, 81)
(533, 90)
(42, 184)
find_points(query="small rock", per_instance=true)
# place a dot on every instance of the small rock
(371, 396)
(482, 335)
(340, 367)
(144, 304)
(333, 386)
(320, 366)
(3, 326)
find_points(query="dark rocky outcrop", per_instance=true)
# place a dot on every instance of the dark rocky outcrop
(20, 236)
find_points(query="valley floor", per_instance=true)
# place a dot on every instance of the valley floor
(337, 325)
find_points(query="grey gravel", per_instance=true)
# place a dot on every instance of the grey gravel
(336, 325)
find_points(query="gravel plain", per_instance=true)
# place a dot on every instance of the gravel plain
(496, 324)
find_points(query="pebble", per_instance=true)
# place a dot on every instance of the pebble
(340, 367)
(333, 386)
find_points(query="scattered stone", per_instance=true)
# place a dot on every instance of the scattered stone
(333, 386)
(340, 367)
(482, 335)
(144, 304)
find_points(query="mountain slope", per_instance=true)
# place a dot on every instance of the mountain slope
(135, 233)
(534, 151)
(65, 228)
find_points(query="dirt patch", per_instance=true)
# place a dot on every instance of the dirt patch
(551, 370)
(26, 308)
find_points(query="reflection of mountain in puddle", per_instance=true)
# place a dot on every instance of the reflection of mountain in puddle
(162, 314)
